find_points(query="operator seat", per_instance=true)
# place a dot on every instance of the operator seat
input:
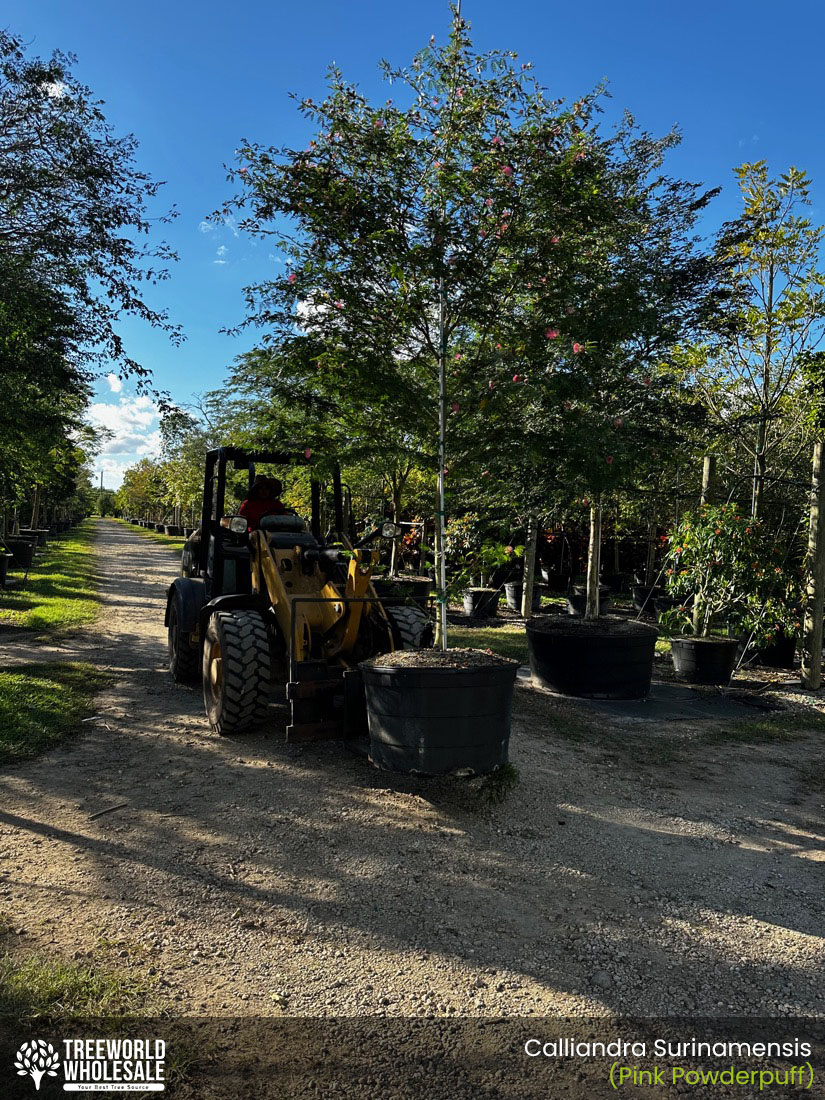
(285, 532)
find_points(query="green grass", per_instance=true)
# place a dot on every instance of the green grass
(42, 704)
(32, 986)
(170, 541)
(781, 727)
(60, 593)
(508, 640)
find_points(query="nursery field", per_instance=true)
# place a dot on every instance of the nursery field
(149, 861)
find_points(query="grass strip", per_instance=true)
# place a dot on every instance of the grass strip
(60, 593)
(43, 704)
(32, 986)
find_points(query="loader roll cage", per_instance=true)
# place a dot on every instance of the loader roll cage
(214, 499)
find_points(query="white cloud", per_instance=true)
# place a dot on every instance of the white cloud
(115, 384)
(133, 422)
(220, 263)
(222, 250)
(206, 227)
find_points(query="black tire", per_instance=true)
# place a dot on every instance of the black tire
(412, 627)
(184, 658)
(236, 671)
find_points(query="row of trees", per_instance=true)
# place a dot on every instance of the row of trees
(486, 287)
(74, 258)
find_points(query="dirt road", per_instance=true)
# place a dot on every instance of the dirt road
(634, 869)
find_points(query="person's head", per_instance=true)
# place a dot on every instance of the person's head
(259, 487)
(274, 488)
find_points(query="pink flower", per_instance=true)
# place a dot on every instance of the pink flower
(498, 346)
(437, 164)
(507, 170)
(292, 278)
(485, 473)
(491, 385)
(554, 240)
(308, 452)
(244, 170)
(577, 348)
(455, 406)
(488, 202)
(509, 550)
(379, 124)
(460, 93)
(496, 140)
(609, 460)
(339, 304)
(516, 377)
(580, 156)
(552, 333)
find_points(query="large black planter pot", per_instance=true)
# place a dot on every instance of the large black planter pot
(704, 660)
(5, 559)
(514, 590)
(616, 582)
(481, 603)
(439, 720)
(416, 589)
(40, 534)
(577, 602)
(592, 658)
(779, 654)
(661, 604)
(23, 551)
(187, 532)
(172, 529)
(644, 598)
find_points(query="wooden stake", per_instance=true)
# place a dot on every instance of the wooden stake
(814, 576)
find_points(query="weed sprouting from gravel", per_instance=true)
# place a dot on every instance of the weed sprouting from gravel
(497, 785)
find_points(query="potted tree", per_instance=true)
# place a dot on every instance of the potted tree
(716, 557)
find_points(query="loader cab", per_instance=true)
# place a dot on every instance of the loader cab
(220, 556)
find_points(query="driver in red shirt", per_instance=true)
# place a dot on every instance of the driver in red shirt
(264, 500)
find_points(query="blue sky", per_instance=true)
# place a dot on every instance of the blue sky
(741, 78)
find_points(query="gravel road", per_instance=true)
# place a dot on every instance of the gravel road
(635, 869)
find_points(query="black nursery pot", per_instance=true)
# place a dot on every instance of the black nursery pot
(172, 529)
(644, 598)
(704, 660)
(4, 566)
(592, 658)
(23, 551)
(616, 582)
(481, 603)
(781, 653)
(577, 602)
(416, 589)
(514, 591)
(439, 720)
(160, 528)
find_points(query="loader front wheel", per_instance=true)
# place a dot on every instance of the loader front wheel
(236, 671)
(412, 627)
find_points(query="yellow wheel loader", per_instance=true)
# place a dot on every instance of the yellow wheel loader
(281, 614)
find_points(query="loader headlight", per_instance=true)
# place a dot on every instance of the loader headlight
(238, 525)
(390, 530)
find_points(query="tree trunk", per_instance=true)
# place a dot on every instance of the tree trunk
(708, 479)
(36, 506)
(616, 562)
(529, 579)
(440, 572)
(396, 512)
(814, 575)
(759, 466)
(650, 563)
(593, 561)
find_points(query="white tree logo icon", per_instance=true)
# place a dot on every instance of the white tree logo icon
(37, 1058)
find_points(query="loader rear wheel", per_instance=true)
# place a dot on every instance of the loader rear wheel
(411, 626)
(184, 658)
(236, 671)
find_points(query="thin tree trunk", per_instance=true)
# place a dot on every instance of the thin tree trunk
(650, 562)
(593, 561)
(759, 466)
(36, 506)
(529, 579)
(616, 562)
(815, 575)
(440, 632)
(708, 479)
